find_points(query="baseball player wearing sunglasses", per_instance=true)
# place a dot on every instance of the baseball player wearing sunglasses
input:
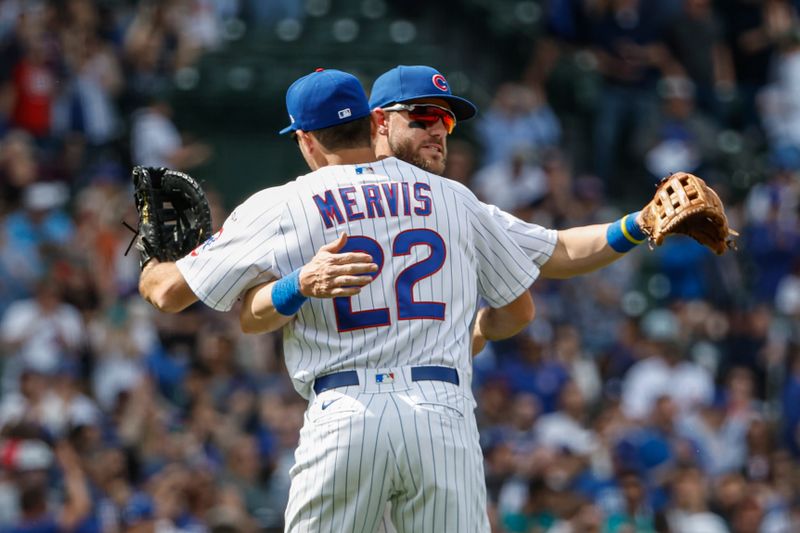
(403, 92)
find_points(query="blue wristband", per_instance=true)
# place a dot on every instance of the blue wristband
(286, 296)
(625, 234)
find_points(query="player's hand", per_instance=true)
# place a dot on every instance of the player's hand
(331, 274)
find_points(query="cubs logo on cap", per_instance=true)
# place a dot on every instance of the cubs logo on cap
(440, 82)
(412, 82)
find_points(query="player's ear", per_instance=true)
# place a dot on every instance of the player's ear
(305, 141)
(373, 126)
(310, 149)
(379, 122)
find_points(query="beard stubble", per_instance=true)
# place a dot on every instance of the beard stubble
(404, 151)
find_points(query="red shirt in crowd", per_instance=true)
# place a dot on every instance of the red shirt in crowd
(34, 85)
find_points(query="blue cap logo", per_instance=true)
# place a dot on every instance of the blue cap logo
(440, 82)
(323, 99)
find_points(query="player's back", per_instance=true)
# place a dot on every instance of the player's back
(436, 252)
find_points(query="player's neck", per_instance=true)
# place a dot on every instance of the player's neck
(351, 156)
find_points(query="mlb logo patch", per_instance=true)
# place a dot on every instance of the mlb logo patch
(384, 378)
(364, 170)
(344, 113)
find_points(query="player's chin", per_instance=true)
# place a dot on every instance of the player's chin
(434, 159)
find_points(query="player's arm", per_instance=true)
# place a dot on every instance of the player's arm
(163, 285)
(494, 324)
(330, 274)
(258, 314)
(683, 204)
(498, 323)
(582, 250)
(575, 251)
(219, 270)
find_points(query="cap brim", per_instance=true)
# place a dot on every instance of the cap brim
(290, 128)
(463, 108)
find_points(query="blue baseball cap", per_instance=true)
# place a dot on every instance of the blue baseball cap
(404, 83)
(323, 99)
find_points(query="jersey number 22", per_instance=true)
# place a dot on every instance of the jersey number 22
(407, 307)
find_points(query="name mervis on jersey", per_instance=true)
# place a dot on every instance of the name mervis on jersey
(348, 204)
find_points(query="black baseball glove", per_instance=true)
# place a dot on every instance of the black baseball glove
(174, 217)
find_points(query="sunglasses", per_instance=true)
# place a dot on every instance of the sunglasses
(427, 114)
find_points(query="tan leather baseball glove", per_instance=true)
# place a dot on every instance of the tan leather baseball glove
(684, 204)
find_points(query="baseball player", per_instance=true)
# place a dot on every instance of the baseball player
(386, 363)
(415, 111)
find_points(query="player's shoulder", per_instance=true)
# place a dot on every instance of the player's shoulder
(460, 192)
(458, 188)
(272, 195)
(410, 170)
(266, 200)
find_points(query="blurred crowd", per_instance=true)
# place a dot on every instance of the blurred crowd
(659, 394)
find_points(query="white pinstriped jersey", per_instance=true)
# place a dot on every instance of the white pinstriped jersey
(438, 249)
(536, 241)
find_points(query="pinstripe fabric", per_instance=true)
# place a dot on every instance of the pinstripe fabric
(411, 445)
(416, 448)
(536, 241)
